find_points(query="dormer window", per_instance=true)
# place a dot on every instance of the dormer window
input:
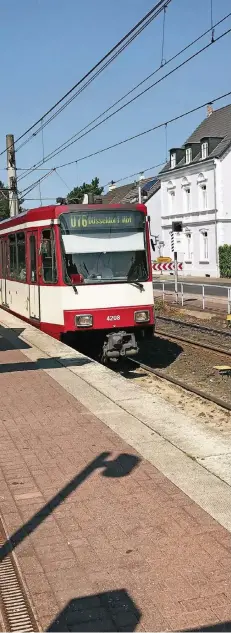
(204, 150)
(188, 155)
(173, 160)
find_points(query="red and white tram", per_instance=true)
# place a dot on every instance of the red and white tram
(84, 269)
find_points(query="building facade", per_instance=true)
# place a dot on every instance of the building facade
(195, 189)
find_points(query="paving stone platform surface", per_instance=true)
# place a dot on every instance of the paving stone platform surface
(104, 541)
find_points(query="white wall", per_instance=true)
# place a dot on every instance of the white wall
(154, 211)
(217, 176)
(223, 178)
(196, 219)
(177, 179)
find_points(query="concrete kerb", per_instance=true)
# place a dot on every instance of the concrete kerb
(178, 446)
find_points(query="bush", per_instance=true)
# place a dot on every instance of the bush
(225, 260)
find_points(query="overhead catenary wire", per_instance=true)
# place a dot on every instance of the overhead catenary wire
(135, 136)
(99, 71)
(63, 145)
(121, 45)
(86, 131)
(35, 184)
(143, 171)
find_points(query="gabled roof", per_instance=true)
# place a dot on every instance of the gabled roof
(155, 187)
(130, 192)
(217, 125)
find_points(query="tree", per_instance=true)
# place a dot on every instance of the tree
(77, 194)
(4, 202)
(225, 260)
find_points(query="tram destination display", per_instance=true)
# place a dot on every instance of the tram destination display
(86, 221)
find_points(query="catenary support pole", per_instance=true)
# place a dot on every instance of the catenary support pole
(12, 176)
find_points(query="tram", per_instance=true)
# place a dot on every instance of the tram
(83, 269)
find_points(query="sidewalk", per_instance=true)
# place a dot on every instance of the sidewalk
(104, 540)
(222, 281)
(218, 305)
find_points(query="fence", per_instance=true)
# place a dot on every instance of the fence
(201, 295)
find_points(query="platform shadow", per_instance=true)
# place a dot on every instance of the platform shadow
(44, 363)
(108, 611)
(10, 339)
(121, 466)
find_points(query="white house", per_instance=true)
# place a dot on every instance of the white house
(195, 189)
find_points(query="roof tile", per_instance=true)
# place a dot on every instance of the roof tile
(217, 125)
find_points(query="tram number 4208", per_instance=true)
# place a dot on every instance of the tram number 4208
(113, 318)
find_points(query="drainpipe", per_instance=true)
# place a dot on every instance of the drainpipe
(215, 220)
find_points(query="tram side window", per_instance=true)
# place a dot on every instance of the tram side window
(13, 256)
(21, 256)
(17, 256)
(48, 253)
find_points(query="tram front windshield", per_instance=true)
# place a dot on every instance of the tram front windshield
(104, 246)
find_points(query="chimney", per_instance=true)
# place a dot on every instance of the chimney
(209, 109)
(112, 186)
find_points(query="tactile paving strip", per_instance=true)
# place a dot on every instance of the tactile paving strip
(16, 611)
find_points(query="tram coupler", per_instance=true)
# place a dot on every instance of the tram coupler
(119, 344)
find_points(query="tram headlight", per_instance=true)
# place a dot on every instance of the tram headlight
(84, 320)
(142, 316)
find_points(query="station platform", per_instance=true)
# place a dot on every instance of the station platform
(114, 511)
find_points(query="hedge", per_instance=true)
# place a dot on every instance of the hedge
(225, 260)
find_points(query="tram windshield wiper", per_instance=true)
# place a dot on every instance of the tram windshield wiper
(136, 282)
(75, 289)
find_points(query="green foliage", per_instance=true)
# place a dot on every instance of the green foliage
(4, 202)
(225, 260)
(77, 194)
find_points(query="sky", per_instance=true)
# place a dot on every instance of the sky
(46, 46)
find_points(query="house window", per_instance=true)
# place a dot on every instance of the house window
(188, 155)
(204, 197)
(188, 246)
(204, 150)
(171, 201)
(204, 246)
(173, 160)
(187, 194)
(171, 197)
(202, 192)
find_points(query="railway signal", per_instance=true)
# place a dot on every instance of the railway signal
(177, 227)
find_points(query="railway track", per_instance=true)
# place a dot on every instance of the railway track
(185, 366)
(190, 344)
(217, 350)
(173, 330)
(196, 326)
(180, 383)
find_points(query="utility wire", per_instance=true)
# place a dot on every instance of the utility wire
(141, 171)
(34, 184)
(130, 36)
(73, 138)
(99, 71)
(89, 81)
(135, 136)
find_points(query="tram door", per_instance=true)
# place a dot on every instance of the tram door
(3, 263)
(34, 291)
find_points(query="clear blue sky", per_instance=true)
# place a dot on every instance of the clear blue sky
(47, 45)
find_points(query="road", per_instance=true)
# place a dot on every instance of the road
(193, 288)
